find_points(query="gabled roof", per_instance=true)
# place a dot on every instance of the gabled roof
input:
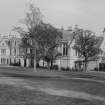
(99, 41)
(67, 35)
(3, 40)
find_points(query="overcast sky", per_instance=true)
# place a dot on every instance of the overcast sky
(88, 14)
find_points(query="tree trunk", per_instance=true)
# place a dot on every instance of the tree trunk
(51, 64)
(43, 62)
(10, 56)
(37, 65)
(34, 64)
(35, 60)
(85, 66)
(48, 64)
(10, 51)
(25, 62)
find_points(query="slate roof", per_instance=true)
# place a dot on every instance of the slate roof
(67, 35)
(5, 39)
(99, 41)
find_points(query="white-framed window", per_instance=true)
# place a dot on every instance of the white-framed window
(3, 51)
(28, 50)
(65, 49)
(15, 42)
(76, 52)
(14, 51)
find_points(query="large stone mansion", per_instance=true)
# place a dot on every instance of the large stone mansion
(10, 52)
(70, 57)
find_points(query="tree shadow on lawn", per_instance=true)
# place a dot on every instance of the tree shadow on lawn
(94, 76)
(90, 87)
(11, 95)
(29, 76)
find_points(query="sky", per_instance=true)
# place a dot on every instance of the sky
(87, 14)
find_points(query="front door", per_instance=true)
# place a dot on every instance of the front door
(102, 66)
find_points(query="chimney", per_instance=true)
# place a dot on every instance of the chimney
(62, 28)
(104, 32)
(76, 27)
(69, 28)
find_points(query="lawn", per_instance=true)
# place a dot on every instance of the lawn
(48, 88)
(11, 95)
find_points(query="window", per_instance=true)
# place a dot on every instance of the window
(65, 49)
(30, 41)
(31, 51)
(14, 51)
(28, 50)
(15, 42)
(76, 53)
(3, 51)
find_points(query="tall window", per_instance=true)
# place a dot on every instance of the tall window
(28, 50)
(31, 51)
(14, 51)
(76, 52)
(15, 42)
(3, 51)
(65, 49)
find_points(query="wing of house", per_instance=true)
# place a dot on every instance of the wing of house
(4, 50)
(95, 63)
(69, 55)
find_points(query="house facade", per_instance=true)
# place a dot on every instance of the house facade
(11, 52)
(16, 51)
(70, 57)
(4, 51)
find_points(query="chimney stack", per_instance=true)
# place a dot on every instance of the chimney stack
(69, 28)
(104, 32)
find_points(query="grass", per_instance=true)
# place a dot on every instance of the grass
(87, 75)
(20, 71)
(89, 87)
(10, 95)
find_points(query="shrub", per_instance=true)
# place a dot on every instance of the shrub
(15, 64)
(65, 69)
(42, 67)
(55, 67)
(96, 69)
(62, 69)
(68, 69)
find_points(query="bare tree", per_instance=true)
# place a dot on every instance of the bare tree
(85, 44)
(32, 20)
